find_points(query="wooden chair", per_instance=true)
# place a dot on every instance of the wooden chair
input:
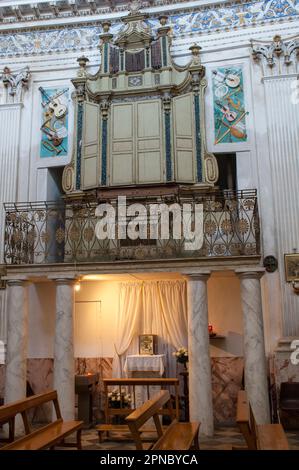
(289, 405)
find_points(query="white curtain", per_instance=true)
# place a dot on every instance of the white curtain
(128, 322)
(151, 307)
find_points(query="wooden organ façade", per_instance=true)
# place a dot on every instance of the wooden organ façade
(140, 119)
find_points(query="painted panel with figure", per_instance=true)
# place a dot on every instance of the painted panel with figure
(229, 105)
(54, 127)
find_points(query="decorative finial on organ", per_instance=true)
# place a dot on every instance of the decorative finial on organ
(195, 51)
(82, 61)
(163, 20)
(106, 26)
(134, 7)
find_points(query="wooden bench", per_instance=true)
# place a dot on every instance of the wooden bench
(258, 436)
(47, 436)
(130, 384)
(246, 421)
(177, 436)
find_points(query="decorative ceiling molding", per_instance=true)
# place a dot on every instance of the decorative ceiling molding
(25, 13)
(40, 10)
(206, 19)
(277, 57)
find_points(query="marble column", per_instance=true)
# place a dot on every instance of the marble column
(256, 382)
(200, 380)
(17, 335)
(16, 352)
(3, 316)
(64, 370)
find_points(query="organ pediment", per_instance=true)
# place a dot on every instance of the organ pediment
(136, 33)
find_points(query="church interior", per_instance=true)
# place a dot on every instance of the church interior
(149, 221)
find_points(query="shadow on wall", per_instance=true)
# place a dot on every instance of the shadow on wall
(234, 343)
(231, 345)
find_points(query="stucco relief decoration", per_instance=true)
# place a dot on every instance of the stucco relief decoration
(15, 82)
(54, 128)
(47, 41)
(229, 105)
(230, 16)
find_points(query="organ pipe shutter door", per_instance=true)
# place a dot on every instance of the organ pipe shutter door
(184, 138)
(122, 143)
(136, 142)
(149, 141)
(90, 147)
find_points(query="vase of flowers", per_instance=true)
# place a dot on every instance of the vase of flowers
(119, 399)
(181, 356)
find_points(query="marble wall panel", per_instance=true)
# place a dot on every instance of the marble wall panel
(227, 375)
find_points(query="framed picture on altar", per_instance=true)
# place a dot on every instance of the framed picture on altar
(148, 344)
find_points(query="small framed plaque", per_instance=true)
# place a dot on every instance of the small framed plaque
(148, 344)
(291, 266)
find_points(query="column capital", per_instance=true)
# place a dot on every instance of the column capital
(201, 276)
(64, 280)
(16, 282)
(256, 273)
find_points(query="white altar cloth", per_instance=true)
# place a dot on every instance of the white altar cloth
(142, 362)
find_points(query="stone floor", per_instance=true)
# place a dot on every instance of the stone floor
(223, 439)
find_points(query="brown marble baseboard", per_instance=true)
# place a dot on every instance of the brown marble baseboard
(227, 373)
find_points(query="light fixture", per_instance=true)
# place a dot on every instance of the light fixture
(77, 286)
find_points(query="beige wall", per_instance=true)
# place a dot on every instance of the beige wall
(96, 312)
(95, 320)
(41, 320)
(225, 314)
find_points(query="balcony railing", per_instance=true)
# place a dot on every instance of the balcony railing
(65, 232)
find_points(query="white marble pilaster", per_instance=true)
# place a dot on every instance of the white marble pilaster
(64, 371)
(256, 382)
(283, 124)
(10, 117)
(200, 381)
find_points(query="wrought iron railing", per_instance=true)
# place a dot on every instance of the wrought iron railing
(65, 232)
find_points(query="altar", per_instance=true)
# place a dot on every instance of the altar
(142, 366)
(145, 365)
